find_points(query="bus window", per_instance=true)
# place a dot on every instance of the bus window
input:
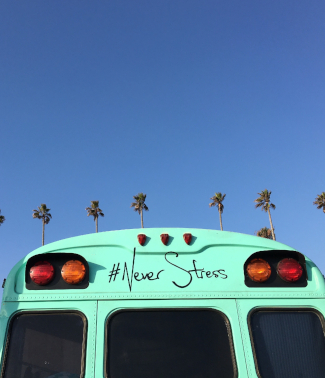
(169, 343)
(45, 345)
(288, 344)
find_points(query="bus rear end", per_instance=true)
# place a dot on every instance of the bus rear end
(163, 303)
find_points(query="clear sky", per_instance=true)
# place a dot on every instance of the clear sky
(179, 99)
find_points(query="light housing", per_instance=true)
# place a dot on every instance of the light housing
(164, 238)
(42, 273)
(142, 239)
(258, 270)
(187, 238)
(289, 270)
(73, 272)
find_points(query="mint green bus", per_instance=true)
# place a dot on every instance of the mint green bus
(163, 303)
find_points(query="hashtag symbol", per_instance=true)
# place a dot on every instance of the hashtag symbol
(114, 272)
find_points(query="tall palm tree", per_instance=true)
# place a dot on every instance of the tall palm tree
(139, 205)
(2, 218)
(263, 201)
(95, 211)
(217, 201)
(42, 212)
(320, 201)
(264, 232)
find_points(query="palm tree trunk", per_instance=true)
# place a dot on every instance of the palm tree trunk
(96, 224)
(43, 231)
(221, 228)
(141, 214)
(273, 236)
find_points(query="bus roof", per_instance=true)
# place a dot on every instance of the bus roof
(119, 267)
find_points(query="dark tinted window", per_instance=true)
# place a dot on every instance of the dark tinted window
(288, 344)
(166, 344)
(45, 345)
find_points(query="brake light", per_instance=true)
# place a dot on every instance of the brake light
(289, 270)
(42, 273)
(164, 238)
(187, 238)
(73, 272)
(259, 270)
(142, 239)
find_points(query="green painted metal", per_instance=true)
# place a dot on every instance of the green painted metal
(208, 273)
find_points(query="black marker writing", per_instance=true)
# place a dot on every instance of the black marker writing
(182, 287)
(130, 279)
(148, 276)
(199, 272)
(114, 272)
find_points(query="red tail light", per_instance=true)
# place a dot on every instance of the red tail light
(42, 273)
(188, 238)
(289, 270)
(142, 239)
(164, 238)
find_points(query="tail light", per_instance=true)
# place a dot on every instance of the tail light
(258, 270)
(73, 272)
(164, 238)
(42, 273)
(187, 238)
(289, 270)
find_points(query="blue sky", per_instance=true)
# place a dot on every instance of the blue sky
(100, 100)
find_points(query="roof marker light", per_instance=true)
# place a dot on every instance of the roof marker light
(142, 239)
(289, 270)
(164, 238)
(188, 238)
(258, 270)
(42, 273)
(73, 272)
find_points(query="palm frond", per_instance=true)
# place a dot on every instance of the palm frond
(42, 213)
(139, 203)
(264, 232)
(2, 218)
(263, 200)
(94, 210)
(320, 201)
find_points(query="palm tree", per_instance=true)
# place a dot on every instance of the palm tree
(139, 205)
(264, 232)
(263, 201)
(217, 201)
(95, 211)
(2, 218)
(320, 201)
(42, 212)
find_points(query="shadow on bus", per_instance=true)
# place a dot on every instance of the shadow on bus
(93, 269)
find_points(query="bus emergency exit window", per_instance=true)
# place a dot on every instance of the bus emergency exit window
(288, 343)
(169, 343)
(45, 345)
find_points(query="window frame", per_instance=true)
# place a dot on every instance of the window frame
(50, 312)
(278, 309)
(171, 309)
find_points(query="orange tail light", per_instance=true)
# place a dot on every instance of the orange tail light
(258, 270)
(73, 272)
